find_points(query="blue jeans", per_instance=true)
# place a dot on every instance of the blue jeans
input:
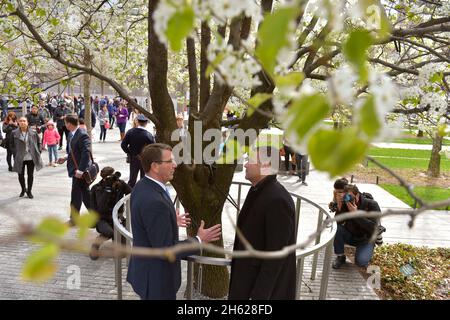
(364, 251)
(52, 151)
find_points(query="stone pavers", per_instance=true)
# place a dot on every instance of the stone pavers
(52, 196)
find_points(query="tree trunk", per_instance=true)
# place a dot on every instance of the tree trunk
(420, 134)
(203, 195)
(87, 95)
(434, 166)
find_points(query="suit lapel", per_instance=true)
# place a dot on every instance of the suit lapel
(173, 215)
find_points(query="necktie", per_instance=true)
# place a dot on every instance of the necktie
(167, 194)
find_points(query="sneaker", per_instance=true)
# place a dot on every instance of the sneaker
(304, 183)
(339, 261)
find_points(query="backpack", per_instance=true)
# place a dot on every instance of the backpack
(106, 193)
(381, 229)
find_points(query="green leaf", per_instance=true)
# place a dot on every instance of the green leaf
(49, 228)
(437, 77)
(273, 36)
(307, 112)
(370, 124)
(293, 79)
(53, 21)
(179, 27)
(85, 222)
(355, 49)
(10, 7)
(40, 266)
(40, 12)
(336, 151)
(256, 101)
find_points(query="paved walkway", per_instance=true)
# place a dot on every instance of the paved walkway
(407, 146)
(52, 189)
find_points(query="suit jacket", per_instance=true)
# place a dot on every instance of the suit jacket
(135, 140)
(154, 225)
(80, 144)
(267, 220)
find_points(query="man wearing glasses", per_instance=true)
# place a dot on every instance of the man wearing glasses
(155, 224)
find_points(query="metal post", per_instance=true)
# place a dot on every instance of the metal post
(190, 280)
(316, 255)
(299, 277)
(351, 179)
(238, 200)
(118, 266)
(128, 226)
(297, 216)
(378, 180)
(326, 271)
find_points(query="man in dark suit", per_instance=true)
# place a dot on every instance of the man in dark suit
(155, 224)
(135, 140)
(267, 221)
(78, 160)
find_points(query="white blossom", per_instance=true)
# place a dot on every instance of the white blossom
(437, 102)
(341, 86)
(384, 92)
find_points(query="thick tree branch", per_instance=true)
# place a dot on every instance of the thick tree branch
(56, 55)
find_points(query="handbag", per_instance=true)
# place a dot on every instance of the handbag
(107, 125)
(90, 174)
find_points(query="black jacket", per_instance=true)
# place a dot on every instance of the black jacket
(80, 146)
(362, 228)
(35, 120)
(93, 117)
(135, 140)
(267, 220)
(57, 114)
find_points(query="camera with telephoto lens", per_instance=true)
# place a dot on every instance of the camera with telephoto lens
(348, 197)
(379, 239)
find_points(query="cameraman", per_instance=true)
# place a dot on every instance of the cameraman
(355, 232)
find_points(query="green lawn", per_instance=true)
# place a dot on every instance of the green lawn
(428, 194)
(405, 158)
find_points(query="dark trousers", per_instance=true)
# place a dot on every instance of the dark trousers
(105, 228)
(135, 167)
(61, 132)
(287, 153)
(301, 161)
(111, 120)
(9, 155)
(102, 132)
(364, 251)
(30, 171)
(80, 193)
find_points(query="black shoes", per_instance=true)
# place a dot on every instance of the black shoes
(94, 252)
(30, 195)
(10, 169)
(339, 261)
(22, 193)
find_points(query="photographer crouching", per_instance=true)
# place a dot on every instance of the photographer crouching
(355, 232)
